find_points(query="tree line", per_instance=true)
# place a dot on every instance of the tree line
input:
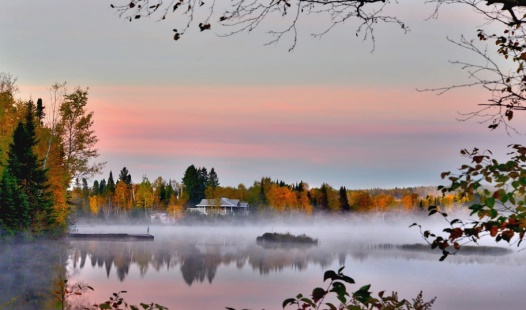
(107, 199)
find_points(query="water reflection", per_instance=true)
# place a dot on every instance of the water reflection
(198, 259)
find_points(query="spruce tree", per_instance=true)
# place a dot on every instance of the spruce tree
(191, 181)
(125, 176)
(102, 187)
(40, 111)
(25, 171)
(213, 179)
(110, 186)
(95, 188)
(344, 201)
(14, 208)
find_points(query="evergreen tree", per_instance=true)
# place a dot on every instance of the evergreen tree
(24, 170)
(110, 186)
(125, 176)
(14, 208)
(344, 201)
(193, 186)
(40, 111)
(301, 187)
(213, 179)
(324, 197)
(102, 187)
(95, 188)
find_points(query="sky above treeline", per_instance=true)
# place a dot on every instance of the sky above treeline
(332, 110)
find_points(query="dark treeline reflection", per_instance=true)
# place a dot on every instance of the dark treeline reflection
(29, 271)
(198, 258)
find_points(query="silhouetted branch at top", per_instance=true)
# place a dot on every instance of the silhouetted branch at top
(246, 15)
(282, 17)
(506, 86)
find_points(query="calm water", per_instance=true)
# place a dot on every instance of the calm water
(211, 268)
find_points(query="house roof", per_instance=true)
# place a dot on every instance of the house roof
(224, 203)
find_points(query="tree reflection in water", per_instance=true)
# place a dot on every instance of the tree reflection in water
(199, 260)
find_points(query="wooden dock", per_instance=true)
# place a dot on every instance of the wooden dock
(111, 236)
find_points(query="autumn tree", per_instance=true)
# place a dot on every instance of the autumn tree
(8, 117)
(123, 195)
(76, 130)
(382, 202)
(144, 197)
(360, 201)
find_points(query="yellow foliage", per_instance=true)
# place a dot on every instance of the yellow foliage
(94, 204)
(175, 211)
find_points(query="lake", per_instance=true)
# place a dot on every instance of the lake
(212, 267)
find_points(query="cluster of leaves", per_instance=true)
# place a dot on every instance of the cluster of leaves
(498, 189)
(510, 86)
(358, 300)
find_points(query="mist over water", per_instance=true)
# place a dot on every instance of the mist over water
(217, 264)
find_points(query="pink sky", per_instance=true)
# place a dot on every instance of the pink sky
(331, 111)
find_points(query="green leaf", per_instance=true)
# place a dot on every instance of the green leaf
(318, 293)
(347, 279)
(493, 213)
(331, 306)
(329, 274)
(490, 202)
(288, 301)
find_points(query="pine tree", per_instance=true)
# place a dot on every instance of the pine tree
(125, 176)
(24, 170)
(14, 207)
(95, 188)
(213, 179)
(40, 111)
(110, 186)
(324, 197)
(193, 186)
(102, 187)
(344, 201)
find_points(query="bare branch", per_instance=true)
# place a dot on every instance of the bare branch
(247, 15)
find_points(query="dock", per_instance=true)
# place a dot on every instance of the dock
(111, 236)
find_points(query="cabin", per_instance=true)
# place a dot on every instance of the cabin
(221, 206)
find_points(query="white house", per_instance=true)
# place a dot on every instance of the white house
(221, 206)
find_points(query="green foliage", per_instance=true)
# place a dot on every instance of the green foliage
(25, 199)
(195, 182)
(358, 300)
(498, 189)
(14, 207)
